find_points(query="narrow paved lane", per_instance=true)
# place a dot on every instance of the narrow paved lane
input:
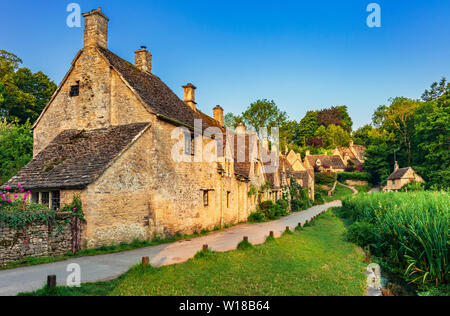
(108, 267)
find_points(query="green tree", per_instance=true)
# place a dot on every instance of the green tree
(308, 127)
(264, 114)
(289, 132)
(16, 148)
(333, 136)
(362, 135)
(24, 93)
(437, 90)
(231, 121)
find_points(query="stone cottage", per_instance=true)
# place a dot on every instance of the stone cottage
(354, 154)
(110, 133)
(401, 177)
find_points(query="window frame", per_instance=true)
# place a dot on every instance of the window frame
(75, 90)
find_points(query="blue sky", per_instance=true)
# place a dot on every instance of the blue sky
(303, 54)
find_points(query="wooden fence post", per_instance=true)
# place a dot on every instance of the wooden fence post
(51, 281)
(145, 261)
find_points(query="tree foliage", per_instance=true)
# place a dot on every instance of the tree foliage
(16, 148)
(264, 114)
(23, 94)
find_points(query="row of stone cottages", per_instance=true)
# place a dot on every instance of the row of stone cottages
(106, 136)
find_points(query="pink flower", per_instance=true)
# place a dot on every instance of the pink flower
(9, 200)
(74, 208)
(22, 190)
(7, 188)
(16, 196)
(19, 185)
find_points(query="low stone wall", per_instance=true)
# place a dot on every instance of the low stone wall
(36, 241)
(356, 182)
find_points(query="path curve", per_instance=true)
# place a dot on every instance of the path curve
(107, 267)
(355, 191)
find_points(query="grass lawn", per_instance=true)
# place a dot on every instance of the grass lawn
(341, 192)
(313, 261)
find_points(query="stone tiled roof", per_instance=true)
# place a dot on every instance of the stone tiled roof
(75, 158)
(333, 161)
(399, 174)
(347, 151)
(159, 98)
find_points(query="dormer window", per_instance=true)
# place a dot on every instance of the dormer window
(75, 90)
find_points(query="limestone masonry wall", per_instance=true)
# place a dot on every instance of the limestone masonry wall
(34, 241)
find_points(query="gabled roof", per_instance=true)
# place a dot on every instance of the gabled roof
(334, 161)
(75, 159)
(399, 174)
(343, 151)
(158, 97)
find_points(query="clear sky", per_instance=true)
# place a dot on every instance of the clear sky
(305, 55)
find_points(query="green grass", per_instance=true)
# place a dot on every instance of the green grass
(313, 261)
(341, 192)
(362, 188)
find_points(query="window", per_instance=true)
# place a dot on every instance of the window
(45, 199)
(55, 200)
(35, 197)
(206, 198)
(228, 199)
(75, 90)
(188, 144)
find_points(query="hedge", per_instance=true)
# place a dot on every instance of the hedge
(357, 175)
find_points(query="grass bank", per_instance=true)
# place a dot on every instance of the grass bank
(312, 261)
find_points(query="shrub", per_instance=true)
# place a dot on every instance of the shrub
(362, 234)
(326, 178)
(256, 217)
(413, 187)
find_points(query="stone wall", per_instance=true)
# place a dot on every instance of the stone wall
(34, 241)
(356, 182)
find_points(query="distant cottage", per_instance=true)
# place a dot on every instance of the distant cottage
(106, 135)
(401, 177)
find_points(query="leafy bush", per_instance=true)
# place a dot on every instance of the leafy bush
(361, 233)
(413, 187)
(357, 175)
(412, 230)
(256, 217)
(327, 178)
(17, 214)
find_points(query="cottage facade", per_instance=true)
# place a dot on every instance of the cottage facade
(108, 135)
(401, 177)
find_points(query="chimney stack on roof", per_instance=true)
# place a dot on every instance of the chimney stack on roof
(143, 59)
(240, 128)
(218, 114)
(95, 29)
(189, 96)
(396, 166)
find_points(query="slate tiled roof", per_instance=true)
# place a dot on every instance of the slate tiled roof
(333, 161)
(75, 158)
(399, 174)
(159, 98)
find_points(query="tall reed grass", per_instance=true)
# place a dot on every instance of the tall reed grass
(410, 231)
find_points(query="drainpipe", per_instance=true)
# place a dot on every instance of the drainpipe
(221, 200)
(239, 201)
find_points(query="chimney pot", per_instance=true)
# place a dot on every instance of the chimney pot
(95, 29)
(218, 114)
(189, 96)
(143, 59)
(396, 166)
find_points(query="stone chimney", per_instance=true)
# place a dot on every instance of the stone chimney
(352, 143)
(143, 59)
(396, 166)
(189, 96)
(240, 128)
(218, 114)
(308, 153)
(95, 29)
